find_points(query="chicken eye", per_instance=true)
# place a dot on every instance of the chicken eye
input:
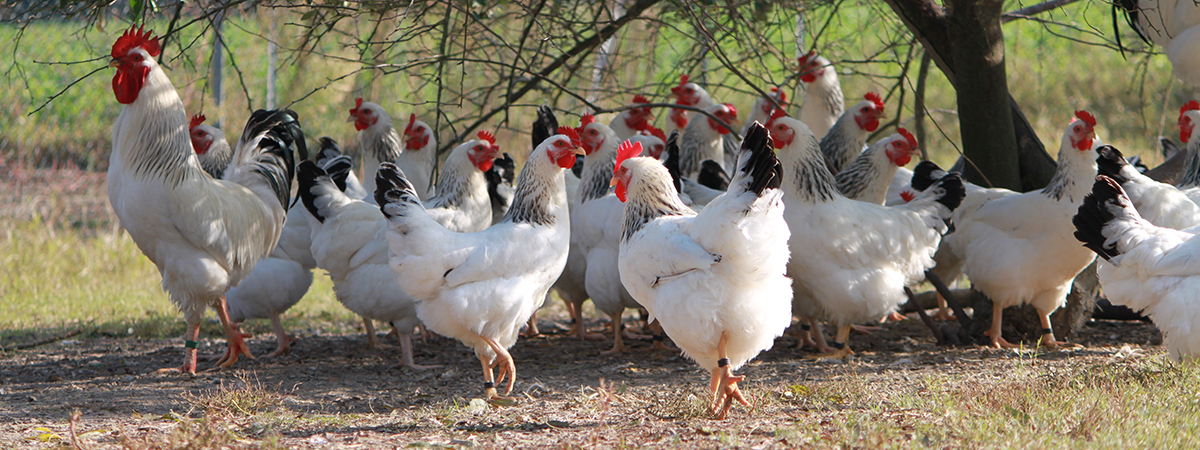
(592, 132)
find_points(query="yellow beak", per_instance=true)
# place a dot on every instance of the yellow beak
(612, 182)
(114, 63)
(579, 151)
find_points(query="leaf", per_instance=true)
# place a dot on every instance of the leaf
(47, 437)
(309, 15)
(135, 9)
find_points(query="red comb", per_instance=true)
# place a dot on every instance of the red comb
(133, 38)
(907, 195)
(775, 114)
(570, 133)
(196, 121)
(1086, 117)
(874, 98)
(1189, 106)
(654, 131)
(683, 80)
(628, 149)
(586, 120)
(412, 120)
(640, 99)
(487, 136)
(780, 96)
(912, 140)
(357, 104)
(804, 59)
(732, 109)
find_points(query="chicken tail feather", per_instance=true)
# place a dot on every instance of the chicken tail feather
(316, 189)
(545, 126)
(266, 147)
(759, 169)
(1111, 162)
(393, 192)
(712, 176)
(925, 174)
(672, 162)
(1100, 207)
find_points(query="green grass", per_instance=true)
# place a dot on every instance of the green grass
(55, 279)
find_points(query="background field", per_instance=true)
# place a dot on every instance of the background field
(66, 267)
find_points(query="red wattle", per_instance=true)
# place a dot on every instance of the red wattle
(678, 117)
(808, 78)
(620, 191)
(566, 161)
(127, 83)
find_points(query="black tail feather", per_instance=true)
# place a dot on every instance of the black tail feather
(764, 169)
(307, 179)
(1169, 147)
(712, 176)
(329, 149)
(545, 126)
(503, 171)
(1094, 213)
(925, 174)
(333, 162)
(392, 187)
(280, 130)
(672, 162)
(955, 190)
(1110, 162)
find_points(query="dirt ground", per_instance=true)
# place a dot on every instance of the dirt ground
(333, 392)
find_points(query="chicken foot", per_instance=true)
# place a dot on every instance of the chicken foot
(998, 321)
(406, 353)
(283, 340)
(190, 348)
(372, 340)
(504, 362)
(578, 328)
(237, 346)
(1047, 339)
(841, 345)
(618, 342)
(723, 383)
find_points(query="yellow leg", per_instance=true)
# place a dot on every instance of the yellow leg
(237, 346)
(726, 389)
(843, 341)
(618, 343)
(998, 321)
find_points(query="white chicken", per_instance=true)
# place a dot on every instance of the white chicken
(204, 235)
(823, 100)
(869, 176)
(1017, 248)
(851, 259)
(210, 146)
(704, 139)
(715, 279)
(1173, 25)
(632, 121)
(379, 143)
(1161, 204)
(688, 94)
(481, 288)
(1147, 268)
(848, 137)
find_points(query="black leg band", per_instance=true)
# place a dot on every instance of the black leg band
(1046, 331)
(805, 327)
(191, 344)
(722, 362)
(488, 385)
(838, 345)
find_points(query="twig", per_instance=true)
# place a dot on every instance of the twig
(47, 340)
(64, 90)
(1026, 12)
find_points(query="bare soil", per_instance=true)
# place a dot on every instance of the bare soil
(333, 392)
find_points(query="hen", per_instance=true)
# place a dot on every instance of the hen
(631, 121)
(379, 143)
(848, 137)
(823, 101)
(1147, 268)
(210, 146)
(853, 259)
(1017, 248)
(204, 235)
(869, 176)
(704, 139)
(713, 279)
(686, 93)
(480, 288)
(1161, 204)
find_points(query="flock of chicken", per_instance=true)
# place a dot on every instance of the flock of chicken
(813, 223)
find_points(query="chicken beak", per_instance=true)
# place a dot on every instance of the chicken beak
(579, 151)
(114, 63)
(612, 182)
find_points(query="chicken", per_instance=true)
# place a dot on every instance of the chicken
(688, 94)
(848, 137)
(1189, 134)
(379, 143)
(1173, 25)
(1161, 204)
(328, 156)
(713, 279)
(480, 288)
(1017, 248)
(869, 176)
(629, 122)
(204, 235)
(596, 224)
(823, 101)
(348, 242)
(764, 110)
(500, 185)
(210, 145)
(703, 139)
(851, 259)
(348, 236)
(1146, 267)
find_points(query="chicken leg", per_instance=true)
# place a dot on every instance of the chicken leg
(997, 321)
(841, 345)
(531, 331)
(504, 361)
(1048, 332)
(943, 312)
(818, 335)
(578, 328)
(618, 342)
(406, 353)
(372, 340)
(237, 346)
(659, 336)
(190, 338)
(724, 384)
(283, 340)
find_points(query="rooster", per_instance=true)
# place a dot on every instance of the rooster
(823, 101)
(1017, 248)
(1147, 268)
(848, 137)
(379, 143)
(704, 139)
(210, 146)
(713, 279)
(481, 288)
(858, 256)
(631, 121)
(204, 235)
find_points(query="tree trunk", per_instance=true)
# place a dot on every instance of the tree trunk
(977, 52)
